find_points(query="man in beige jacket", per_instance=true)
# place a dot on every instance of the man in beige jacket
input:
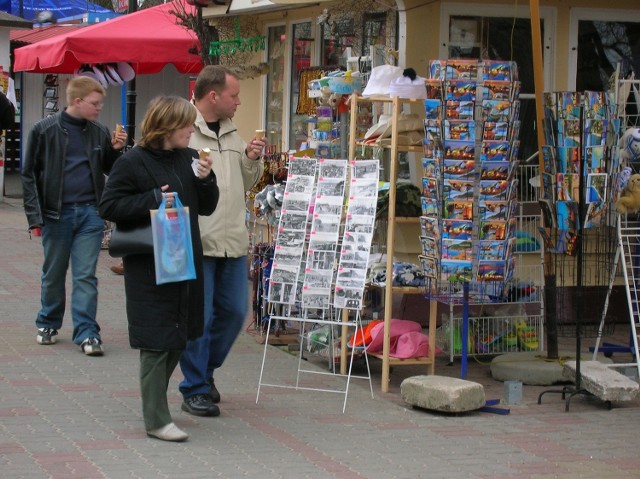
(225, 239)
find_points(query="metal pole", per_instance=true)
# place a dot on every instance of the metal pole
(131, 96)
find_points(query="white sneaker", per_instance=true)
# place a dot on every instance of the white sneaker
(92, 347)
(170, 432)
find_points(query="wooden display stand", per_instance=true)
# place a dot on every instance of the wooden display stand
(387, 361)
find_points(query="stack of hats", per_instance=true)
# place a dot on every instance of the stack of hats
(409, 85)
(108, 73)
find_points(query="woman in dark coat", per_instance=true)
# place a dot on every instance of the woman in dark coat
(161, 317)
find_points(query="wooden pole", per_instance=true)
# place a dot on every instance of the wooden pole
(549, 273)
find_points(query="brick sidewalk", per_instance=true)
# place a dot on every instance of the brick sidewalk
(65, 415)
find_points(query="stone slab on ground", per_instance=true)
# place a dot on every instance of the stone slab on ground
(441, 393)
(602, 381)
(533, 368)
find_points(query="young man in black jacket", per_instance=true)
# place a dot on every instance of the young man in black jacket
(65, 161)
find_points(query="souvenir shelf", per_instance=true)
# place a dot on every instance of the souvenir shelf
(470, 213)
(396, 108)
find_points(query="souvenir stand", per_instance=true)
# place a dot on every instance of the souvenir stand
(469, 225)
(579, 188)
(628, 225)
(321, 254)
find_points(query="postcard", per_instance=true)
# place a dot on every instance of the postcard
(595, 132)
(457, 229)
(495, 130)
(459, 110)
(568, 159)
(432, 168)
(459, 150)
(430, 206)
(496, 70)
(567, 214)
(497, 90)
(437, 69)
(491, 270)
(549, 159)
(492, 210)
(493, 230)
(462, 68)
(569, 105)
(595, 105)
(430, 188)
(567, 187)
(456, 271)
(430, 226)
(458, 169)
(496, 170)
(458, 209)
(491, 250)
(433, 108)
(430, 246)
(494, 151)
(457, 189)
(496, 110)
(429, 266)
(435, 89)
(494, 190)
(433, 129)
(460, 90)
(460, 130)
(457, 249)
(596, 187)
(569, 133)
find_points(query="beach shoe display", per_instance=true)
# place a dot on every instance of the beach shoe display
(527, 336)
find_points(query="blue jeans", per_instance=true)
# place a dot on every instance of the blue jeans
(75, 237)
(226, 289)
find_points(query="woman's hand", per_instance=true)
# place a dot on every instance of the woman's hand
(169, 197)
(204, 167)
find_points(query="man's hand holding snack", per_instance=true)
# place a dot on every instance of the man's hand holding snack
(119, 139)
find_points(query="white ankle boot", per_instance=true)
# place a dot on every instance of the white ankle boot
(170, 432)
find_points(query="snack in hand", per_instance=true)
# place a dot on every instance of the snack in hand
(204, 153)
(119, 128)
(259, 134)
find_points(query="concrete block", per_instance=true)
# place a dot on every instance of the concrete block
(441, 393)
(512, 392)
(603, 382)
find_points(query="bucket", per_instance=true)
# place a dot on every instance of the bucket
(512, 392)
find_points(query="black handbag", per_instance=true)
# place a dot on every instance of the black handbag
(126, 240)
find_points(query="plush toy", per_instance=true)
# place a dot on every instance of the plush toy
(629, 201)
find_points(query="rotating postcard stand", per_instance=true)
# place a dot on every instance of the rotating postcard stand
(312, 239)
(578, 191)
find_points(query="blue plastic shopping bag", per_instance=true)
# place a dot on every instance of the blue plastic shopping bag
(172, 247)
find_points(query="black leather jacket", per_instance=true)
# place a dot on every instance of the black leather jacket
(43, 167)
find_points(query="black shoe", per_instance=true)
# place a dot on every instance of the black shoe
(215, 394)
(46, 336)
(200, 405)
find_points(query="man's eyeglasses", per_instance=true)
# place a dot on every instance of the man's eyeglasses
(95, 104)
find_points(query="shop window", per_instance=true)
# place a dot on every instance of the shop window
(337, 36)
(302, 45)
(274, 97)
(602, 45)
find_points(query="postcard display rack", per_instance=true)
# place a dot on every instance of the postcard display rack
(469, 211)
(322, 252)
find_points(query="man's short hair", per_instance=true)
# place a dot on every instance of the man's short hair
(212, 77)
(80, 87)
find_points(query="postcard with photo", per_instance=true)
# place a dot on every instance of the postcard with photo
(495, 130)
(596, 212)
(497, 90)
(322, 242)
(493, 230)
(430, 226)
(550, 105)
(430, 206)
(332, 168)
(293, 239)
(330, 187)
(460, 90)
(493, 210)
(316, 298)
(595, 105)
(430, 188)
(595, 159)
(460, 130)
(321, 260)
(327, 224)
(496, 110)
(546, 239)
(549, 159)
(317, 279)
(435, 89)
(457, 189)
(494, 190)
(302, 167)
(548, 211)
(549, 125)
(433, 149)
(567, 186)
(548, 186)
(365, 169)
(491, 250)
(348, 298)
(295, 202)
(569, 133)
(282, 293)
(433, 109)
(328, 205)
(459, 150)
(459, 110)
(433, 130)
(458, 209)
(456, 271)
(437, 69)
(568, 159)
(492, 270)
(595, 132)
(462, 68)
(497, 70)
(567, 242)
(457, 229)
(461, 250)
(360, 224)
(494, 150)
(364, 188)
(496, 170)
(432, 167)
(458, 169)
(567, 213)
(289, 256)
(300, 184)
(360, 206)
(569, 105)
(293, 220)
(429, 266)
(430, 246)
(596, 187)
